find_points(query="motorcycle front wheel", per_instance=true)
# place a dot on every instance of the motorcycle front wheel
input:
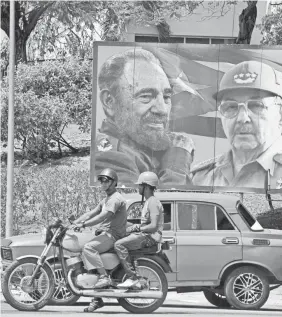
(18, 291)
(156, 281)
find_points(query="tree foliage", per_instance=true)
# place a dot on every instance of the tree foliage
(55, 29)
(271, 27)
(48, 96)
(4, 56)
(42, 194)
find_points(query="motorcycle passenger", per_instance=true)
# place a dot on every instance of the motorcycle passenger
(112, 216)
(146, 234)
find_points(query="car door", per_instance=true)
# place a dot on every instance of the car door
(206, 239)
(169, 236)
(134, 216)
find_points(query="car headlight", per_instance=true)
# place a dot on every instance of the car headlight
(6, 254)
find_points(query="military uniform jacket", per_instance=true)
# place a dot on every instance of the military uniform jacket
(219, 171)
(129, 159)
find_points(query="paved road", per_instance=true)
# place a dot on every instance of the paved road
(168, 309)
(193, 304)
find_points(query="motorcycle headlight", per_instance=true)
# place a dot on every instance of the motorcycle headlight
(48, 235)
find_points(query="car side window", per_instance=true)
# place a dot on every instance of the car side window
(167, 216)
(222, 221)
(134, 214)
(196, 216)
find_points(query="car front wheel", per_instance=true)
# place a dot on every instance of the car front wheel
(246, 288)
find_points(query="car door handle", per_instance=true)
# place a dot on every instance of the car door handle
(170, 240)
(230, 240)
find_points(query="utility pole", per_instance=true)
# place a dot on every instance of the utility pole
(10, 158)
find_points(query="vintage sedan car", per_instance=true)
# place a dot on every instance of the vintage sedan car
(216, 246)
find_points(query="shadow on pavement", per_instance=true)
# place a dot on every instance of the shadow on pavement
(181, 305)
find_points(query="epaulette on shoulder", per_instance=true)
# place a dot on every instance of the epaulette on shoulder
(100, 136)
(278, 158)
(205, 165)
(106, 142)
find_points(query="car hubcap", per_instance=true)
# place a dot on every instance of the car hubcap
(248, 288)
(61, 290)
(26, 284)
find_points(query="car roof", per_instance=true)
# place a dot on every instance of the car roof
(226, 201)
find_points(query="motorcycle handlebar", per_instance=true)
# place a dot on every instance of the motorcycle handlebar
(58, 223)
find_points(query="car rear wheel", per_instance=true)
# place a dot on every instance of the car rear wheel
(215, 299)
(246, 288)
(62, 295)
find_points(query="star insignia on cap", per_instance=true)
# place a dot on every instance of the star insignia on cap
(104, 145)
(245, 78)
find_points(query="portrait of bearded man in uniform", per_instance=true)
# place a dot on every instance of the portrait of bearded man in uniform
(250, 106)
(136, 97)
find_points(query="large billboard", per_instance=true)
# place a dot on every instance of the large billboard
(202, 117)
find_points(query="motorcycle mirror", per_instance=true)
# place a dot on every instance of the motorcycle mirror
(71, 218)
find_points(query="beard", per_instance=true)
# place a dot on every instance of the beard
(137, 129)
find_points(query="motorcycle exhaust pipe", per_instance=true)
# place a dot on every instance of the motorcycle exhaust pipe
(113, 293)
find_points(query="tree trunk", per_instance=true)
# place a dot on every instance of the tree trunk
(21, 40)
(162, 26)
(25, 23)
(20, 33)
(247, 20)
(164, 31)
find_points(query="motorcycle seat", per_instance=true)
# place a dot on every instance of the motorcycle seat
(151, 250)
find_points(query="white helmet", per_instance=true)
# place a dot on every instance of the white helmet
(148, 178)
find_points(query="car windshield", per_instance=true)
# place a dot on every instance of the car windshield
(250, 220)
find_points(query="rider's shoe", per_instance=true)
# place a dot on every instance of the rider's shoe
(103, 281)
(130, 282)
(95, 304)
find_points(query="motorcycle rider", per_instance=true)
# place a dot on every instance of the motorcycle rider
(146, 234)
(111, 216)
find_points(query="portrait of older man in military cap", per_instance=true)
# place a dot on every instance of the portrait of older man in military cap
(249, 101)
(136, 94)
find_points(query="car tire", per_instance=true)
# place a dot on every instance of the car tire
(217, 300)
(246, 288)
(62, 295)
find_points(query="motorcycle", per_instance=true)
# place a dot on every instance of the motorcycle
(29, 283)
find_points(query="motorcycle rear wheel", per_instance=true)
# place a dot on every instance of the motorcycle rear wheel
(157, 281)
(19, 294)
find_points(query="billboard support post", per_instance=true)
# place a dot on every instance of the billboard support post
(10, 158)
